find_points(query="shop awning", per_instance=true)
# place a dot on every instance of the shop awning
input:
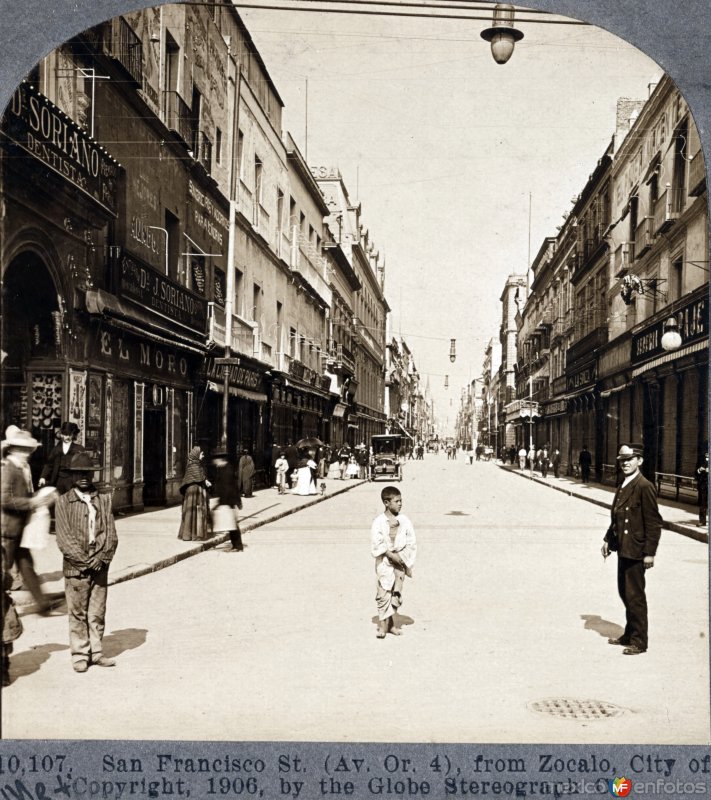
(403, 430)
(100, 302)
(238, 391)
(672, 356)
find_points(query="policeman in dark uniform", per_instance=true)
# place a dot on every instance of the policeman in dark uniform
(634, 534)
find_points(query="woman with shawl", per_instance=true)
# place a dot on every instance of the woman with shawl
(246, 471)
(195, 518)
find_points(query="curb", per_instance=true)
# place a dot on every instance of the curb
(221, 538)
(699, 536)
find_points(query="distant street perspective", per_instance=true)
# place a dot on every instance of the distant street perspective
(505, 623)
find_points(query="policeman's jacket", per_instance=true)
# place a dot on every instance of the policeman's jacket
(636, 519)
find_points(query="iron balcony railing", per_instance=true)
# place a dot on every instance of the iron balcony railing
(126, 47)
(667, 209)
(644, 236)
(697, 174)
(177, 115)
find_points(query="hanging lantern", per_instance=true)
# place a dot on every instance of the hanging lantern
(446, 381)
(452, 350)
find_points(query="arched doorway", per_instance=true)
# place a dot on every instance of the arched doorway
(32, 374)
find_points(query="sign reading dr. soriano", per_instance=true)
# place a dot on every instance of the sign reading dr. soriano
(619, 787)
(40, 128)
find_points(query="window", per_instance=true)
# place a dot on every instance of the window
(280, 219)
(240, 152)
(172, 227)
(218, 146)
(292, 342)
(256, 302)
(675, 280)
(239, 289)
(258, 171)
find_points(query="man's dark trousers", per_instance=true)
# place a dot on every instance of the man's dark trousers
(631, 584)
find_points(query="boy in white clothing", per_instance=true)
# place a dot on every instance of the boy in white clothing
(394, 547)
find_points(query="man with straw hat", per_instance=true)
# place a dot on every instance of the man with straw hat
(86, 535)
(18, 501)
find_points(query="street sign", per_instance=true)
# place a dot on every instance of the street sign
(227, 362)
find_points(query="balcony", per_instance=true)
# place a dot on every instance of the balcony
(667, 209)
(243, 334)
(644, 236)
(126, 48)
(306, 262)
(697, 175)
(177, 115)
(591, 341)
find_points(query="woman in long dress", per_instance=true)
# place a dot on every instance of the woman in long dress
(195, 517)
(304, 483)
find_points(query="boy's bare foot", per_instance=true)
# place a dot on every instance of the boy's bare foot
(396, 631)
(380, 633)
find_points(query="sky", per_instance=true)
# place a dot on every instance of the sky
(447, 152)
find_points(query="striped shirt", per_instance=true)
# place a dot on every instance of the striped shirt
(72, 521)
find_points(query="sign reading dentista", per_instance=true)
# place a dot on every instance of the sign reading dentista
(40, 128)
(151, 290)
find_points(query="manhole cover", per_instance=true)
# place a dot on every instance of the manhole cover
(577, 709)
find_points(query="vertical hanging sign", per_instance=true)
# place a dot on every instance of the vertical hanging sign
(77, 402)
(170, 434)
(108, 430)
(138, 429)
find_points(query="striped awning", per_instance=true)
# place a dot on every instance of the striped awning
(672, 356)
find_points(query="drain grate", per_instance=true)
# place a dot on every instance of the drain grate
(567, 708)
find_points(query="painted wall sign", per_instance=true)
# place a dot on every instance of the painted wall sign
(40, 128)
(161, 295)
(693, 326)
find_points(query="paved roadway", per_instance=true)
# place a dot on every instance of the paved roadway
(511, 604)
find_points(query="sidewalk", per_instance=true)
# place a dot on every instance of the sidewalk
(678, 517)
(149, 541)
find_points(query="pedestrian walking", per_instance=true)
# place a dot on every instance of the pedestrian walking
(11, 623)
(522, 458)
(531, 457)
(292, 456)
(304, 480)
(282, 467)
(18, 501)
(585, 461)
(545, 461)
(634, 534)
(362, 457)
(225, 518)
(702, 486)
(394, 547)
(195, 514)
(344, 455)
(86, 536)
(555, 461)
(245, 476)
(56, 472)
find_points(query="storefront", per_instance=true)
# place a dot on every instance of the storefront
(145, 349)
(247, 408)
(301, 405)
(671, 389)
(59, 192)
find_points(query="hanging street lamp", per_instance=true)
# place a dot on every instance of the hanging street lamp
(671, 339)
(452, 350)
(502, 35)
